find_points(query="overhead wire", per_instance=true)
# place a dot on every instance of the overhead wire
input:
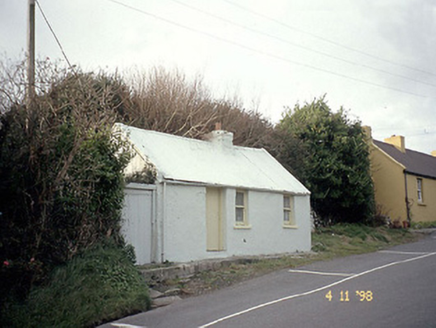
(55, 36)
(271, 19)
(271, 36)
(268, 54)
(412, 131)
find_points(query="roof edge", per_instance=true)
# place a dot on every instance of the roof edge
(387, 155)
(204, 184)
(420, 175)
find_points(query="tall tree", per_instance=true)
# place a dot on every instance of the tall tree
(336, 165)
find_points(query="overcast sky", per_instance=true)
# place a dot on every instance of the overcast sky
(373, 57)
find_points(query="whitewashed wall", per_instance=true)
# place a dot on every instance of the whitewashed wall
(267, 234)
(184, 223)
(184, 215)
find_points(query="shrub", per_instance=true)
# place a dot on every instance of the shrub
(98, 285)
(336, 166)
(61, 175)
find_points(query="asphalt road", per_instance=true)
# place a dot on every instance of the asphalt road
(391, 288)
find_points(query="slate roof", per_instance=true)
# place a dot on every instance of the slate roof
(415, 162)
(203, 162)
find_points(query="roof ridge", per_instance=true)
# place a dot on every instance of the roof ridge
(414, 162)
(184, 137)
(407, 149)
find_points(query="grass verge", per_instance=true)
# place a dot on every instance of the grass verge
(100, 285)
(423, 225)
(327, 243)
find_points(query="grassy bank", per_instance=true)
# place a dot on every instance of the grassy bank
(99, 285)
(327, 243)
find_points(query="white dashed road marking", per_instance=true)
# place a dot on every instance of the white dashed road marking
(323, 273)
(406, 253)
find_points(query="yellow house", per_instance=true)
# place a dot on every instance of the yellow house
(404, 180)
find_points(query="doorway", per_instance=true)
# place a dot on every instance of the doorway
(214, 219)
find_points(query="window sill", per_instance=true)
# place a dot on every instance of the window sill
(242, 227)
(290, 226)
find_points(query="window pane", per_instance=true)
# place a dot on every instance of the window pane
(286, 216)
(239, 199)
(239, 215)
(419, 187)
(286, 201)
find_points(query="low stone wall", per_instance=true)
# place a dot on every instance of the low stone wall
(183, 270)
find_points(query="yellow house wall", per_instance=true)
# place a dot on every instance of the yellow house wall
(389, 185)
(425, 211)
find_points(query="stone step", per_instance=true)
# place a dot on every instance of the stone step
(164, 301)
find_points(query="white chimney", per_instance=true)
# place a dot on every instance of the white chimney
(220, 137)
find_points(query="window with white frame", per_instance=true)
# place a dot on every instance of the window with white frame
(288, 211)
(241, 208)
(419, 190)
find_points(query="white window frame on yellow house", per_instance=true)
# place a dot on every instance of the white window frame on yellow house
(241, 208)
(288, 212)
(419, 190)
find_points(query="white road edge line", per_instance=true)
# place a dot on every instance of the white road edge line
(126, 325)
(323, 273)
(406, 253)
(313, 290)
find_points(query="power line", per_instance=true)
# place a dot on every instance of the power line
(325, 39)
(54, 35)
(263, 52)
(411, 131)
(298, 45)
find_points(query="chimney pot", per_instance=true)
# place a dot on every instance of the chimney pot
(220, 137)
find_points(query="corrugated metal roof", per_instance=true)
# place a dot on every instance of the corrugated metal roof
(415, 162)
(190, 160)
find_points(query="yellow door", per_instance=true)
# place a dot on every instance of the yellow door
(214, 219)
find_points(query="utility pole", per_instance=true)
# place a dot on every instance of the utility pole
(30, 52)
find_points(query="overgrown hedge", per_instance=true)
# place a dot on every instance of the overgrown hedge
(61, 177)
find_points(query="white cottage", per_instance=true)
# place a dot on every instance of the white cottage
(211, 199)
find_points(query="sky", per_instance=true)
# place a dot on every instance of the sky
(374, 58)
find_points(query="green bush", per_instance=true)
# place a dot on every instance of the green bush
(99, 285)
(61, 177)
(335, 167)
